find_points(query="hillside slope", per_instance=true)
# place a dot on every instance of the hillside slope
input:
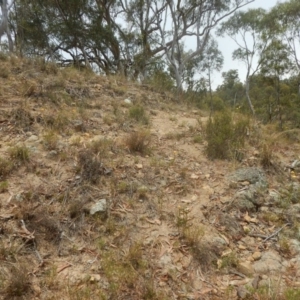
(106, 193)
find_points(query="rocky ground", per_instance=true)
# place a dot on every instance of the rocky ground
(107, 193)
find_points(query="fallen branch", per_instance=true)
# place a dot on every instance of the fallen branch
(275, 233)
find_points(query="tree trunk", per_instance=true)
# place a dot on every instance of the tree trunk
(4, 28)
(248, 96)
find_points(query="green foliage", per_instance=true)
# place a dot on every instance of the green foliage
(50, 140)
(19, 153)
(161, 81)
(292, 294)
(138, 113)
(225, 136)
(3, 186)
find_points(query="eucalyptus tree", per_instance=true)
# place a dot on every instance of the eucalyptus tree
(276, 64)
(285, 21)
(78, 31)
(140, 42)
(212, 60)
(4, 22)
(230, 88)
(191, 21)
(246, 28)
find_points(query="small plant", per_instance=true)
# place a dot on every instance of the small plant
(89, 166)
(292, 294)
(135, 256)
(50, 140)
(138, 141)
(19, 153)
(138, 114)
(101, 146)
(3, 186)
(182, 217)
(18, 284)
(173, 119)
(266, 156)
(4, 72)
(229, 261)
(3, 56)
(75, 209)
(285, 246)
(198, 139)
(224, 136)
(6, 167)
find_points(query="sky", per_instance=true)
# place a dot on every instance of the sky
(227, 46)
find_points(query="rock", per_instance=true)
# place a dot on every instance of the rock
(232, 227)
(240, 202)
(274, 197)
(270, 262)
(19, 197)
(95, 278)
(256, 255)
(295, 192)
(245, 268)
(254, 182)
(252, 175)
(128, 101)
(32, 138)
(218, 242)
(99, 207)
(294, 247)
(52, 153)
(255, 281)
(295, 164)
(242, 292)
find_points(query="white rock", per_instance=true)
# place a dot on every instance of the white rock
(100, 206)
(128, 101)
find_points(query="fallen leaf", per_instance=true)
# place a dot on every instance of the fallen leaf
(205, 290)
(226, 252)
(155, 221)
(194, 176)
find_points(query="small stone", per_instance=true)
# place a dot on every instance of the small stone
(256, 255)
(52, 153)
(128, 101)
(32, 138)
(242, 292)
(245, 268)
(99, 207)
(95, 278)
(256, 281)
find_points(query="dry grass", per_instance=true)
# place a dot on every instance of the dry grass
(139, 141)
(142, 248)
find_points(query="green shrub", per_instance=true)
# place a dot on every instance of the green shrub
(19, 153)
(137, 113)
(225, 137)
(3, 186)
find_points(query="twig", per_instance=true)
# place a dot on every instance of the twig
(276, 232)
(64, 267)
(237, 273)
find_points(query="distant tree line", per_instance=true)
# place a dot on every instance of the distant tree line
(170, 44)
